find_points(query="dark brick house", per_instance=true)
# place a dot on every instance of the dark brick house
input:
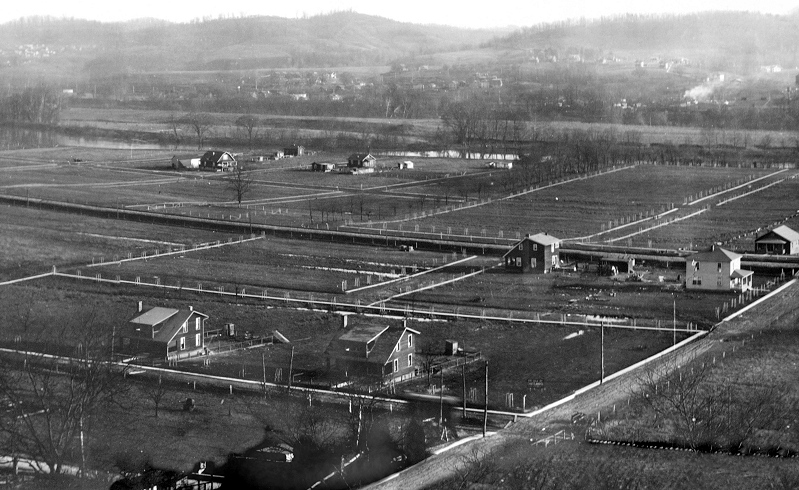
(538, 253)
(380, 352)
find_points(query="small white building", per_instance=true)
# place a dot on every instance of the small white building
(405, 165)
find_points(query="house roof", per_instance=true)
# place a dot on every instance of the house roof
(544, 239)
(715, 254)
(215, 156)
(165, 322)
(740, 273)
(539, 238)
(361, 156)
(783, 232)
(154, 316)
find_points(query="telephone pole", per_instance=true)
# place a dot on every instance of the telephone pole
(485, 411)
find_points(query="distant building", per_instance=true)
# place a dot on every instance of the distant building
(217, 161)
(164, 333)
(405, 165)
(717, 270)
(294, 151)
(323, 167)
(381, 352)
(537, 253)
(361, 160)
(780, 241)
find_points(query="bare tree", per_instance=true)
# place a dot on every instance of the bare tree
(156, 392)
(51, 400)
(175, 122)
(200, 124)
(249, 125)
(240, 182)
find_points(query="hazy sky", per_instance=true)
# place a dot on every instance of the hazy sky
(458, 13)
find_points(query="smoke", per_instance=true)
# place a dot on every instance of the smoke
(702, 93)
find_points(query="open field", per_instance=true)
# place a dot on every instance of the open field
(758, 211)
(582, 207)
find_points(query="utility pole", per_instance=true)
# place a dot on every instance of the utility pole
(291, 367)
(263, 365)
(674, 320)
(463, 374)
(485, 411)
(602, 376)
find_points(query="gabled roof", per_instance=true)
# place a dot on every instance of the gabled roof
(539, 238)
(361, 156)
(783, 232)
(214, 156)
(165, 322)
(715, 254)
(154, 316)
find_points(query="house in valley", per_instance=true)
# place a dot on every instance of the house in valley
(539, 253)
(779, 241)
(376, 351)
(217, 161)
(294, 151)
(323, 167)
(717, 270)
(163, 333)
(361, 160)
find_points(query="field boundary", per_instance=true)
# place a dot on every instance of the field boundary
(675, 220)
(748, 182)
(756, 302)
(405, 278)
(378, 308)
(183, 250)
(725, 201)
(433, 286)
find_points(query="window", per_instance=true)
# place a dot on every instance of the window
(552, 249)
(185, 327)
(533, 262)
(521, 246)
(197, 323)
(410, 360)
(396, 365)
(183, 343)
(719, 267)
(198, 340)
(410, 340)
(518, 261)
(696, 266)
(535, 247)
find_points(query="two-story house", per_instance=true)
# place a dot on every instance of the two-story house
(534, 253)
(717, 270)
(166, 333)
(384, 352)
(217, 161)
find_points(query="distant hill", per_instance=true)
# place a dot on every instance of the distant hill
(337, 39)
(733, 40)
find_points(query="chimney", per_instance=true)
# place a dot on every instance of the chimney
(139, 307)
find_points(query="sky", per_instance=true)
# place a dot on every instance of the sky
(460, 13)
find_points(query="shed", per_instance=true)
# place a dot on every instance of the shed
(405, 165)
